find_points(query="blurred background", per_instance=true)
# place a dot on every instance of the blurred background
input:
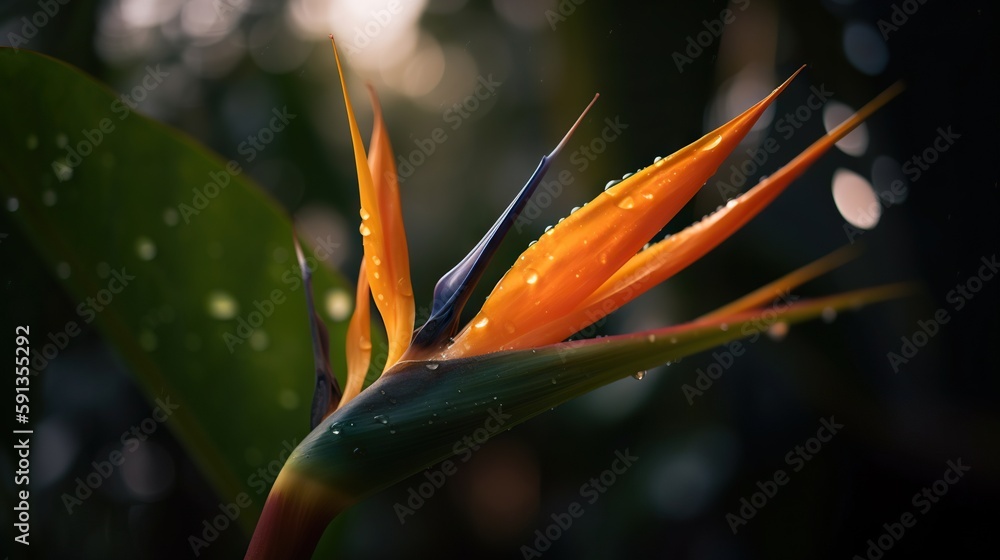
(500, 82)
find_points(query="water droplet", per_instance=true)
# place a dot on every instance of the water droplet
(657, 159)
(530, 243)
(509, 327)
(575, 208)
(221, 305)
(381, 297)
(530, 277)
(647, 196)
(145, 248)
(364, 214)
(392, 431)
(713, 143)
(553, 380)
(365, 231)
(548, 228)
(376, 261)
(639, 374)
(603, 258)
(381, 419)
(732, 202)
(359, 452)
(49, 197)
(829, 314)
(626, 176)
(377, 275)
(336, 428)
(404, 288)
(560, 220)
(626, 203)
(431, 366)
(611, 183)
(482, 322)
(338, 304)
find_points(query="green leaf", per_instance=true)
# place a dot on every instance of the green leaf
(115, 217)
(419, 413)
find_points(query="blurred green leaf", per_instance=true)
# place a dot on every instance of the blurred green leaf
(116, 213)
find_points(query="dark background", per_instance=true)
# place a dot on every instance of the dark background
(696, 461)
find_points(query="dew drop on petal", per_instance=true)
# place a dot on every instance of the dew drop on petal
(530, 277)
(626, 203)
(482, 322)
(365, 230)
(639, 374)
(431, 366)
(381, 419)
(713, 143)
(364, 214)
(376, 261)
(336, 428)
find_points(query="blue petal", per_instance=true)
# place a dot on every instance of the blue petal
(454, 288)
(327, 394)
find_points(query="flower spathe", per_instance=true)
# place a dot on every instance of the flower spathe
(441, 380)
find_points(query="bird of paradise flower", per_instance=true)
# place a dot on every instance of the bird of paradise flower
(442, 380)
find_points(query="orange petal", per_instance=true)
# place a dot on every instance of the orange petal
(396, 266)
(675, 253)
(382, 235)
(783, 285)
(573, 259)
(359, 342)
